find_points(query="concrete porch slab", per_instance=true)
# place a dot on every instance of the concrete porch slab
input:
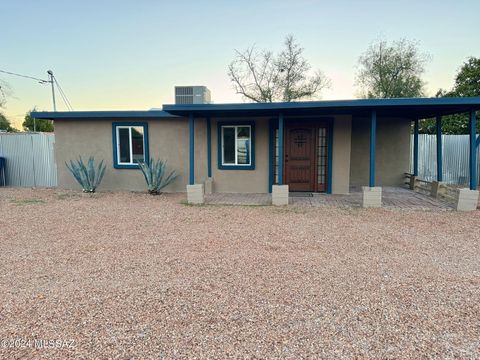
(392, 197)
(238, 199)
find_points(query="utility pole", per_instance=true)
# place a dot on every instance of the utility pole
(50, 76)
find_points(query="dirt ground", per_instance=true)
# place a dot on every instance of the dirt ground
(128, 275)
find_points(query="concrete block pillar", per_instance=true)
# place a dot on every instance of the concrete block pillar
(279, 195)
(209, 186)
(371, 196)
(195, 194)
(437, 189)
(467, 200)
(413, 182)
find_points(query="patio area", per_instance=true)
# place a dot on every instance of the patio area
(392, 197)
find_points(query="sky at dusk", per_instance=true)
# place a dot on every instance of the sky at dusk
(130, 54)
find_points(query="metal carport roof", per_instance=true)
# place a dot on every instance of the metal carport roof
(413, 108)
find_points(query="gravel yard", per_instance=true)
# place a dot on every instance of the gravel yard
(128, 275)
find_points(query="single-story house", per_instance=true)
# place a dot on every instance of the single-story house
(312, 146)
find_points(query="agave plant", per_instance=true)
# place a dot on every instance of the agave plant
(86, 175)
(155, 173)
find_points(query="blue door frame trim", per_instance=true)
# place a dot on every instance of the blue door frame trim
(220, 144)
(438, 124)
(330, 156)
(274, 125)
(191, 128)
(473, 151)
(281, 129)
(116, 165)
(373, 135)
(209, 147)
(415, 147)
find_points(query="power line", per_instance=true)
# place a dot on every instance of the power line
(63, 95)
(42, 81)
(52, 80)
(65, 101)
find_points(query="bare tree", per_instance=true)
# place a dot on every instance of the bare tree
(392, 70)
(262, 76)
(5, 90)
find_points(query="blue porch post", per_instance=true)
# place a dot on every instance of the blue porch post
(373, 133)
(280, 149)
(473, 151)
(415, 148)
(191, 128)
(209, 148)
(439, 149)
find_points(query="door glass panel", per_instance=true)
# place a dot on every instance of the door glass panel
(276, 157)
(322, 156)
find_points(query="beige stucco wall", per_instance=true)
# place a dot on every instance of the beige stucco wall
(256, 181)
(392, 151)
(243, 181)
(168, 139)
(342, 129)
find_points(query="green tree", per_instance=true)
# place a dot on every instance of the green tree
(391, 70)
(5, 124)
(467, 83)
(262, 76)
(31, 124)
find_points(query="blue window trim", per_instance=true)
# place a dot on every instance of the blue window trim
(220, 145)
(116, 165)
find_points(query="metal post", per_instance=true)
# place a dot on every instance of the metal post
(209, 147)
(50, 75)
(373, 133)
(473, 151)
(280, 149)
(191, 127)
(439, 149)
(415, 148)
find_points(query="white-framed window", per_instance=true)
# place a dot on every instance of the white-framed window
(130, 144)
(236, 145)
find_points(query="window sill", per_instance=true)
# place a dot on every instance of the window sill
(236, 167)
(123, 166)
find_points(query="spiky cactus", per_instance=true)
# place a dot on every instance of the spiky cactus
(86, 175)
(156, 176)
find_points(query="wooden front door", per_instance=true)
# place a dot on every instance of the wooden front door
(300, 154)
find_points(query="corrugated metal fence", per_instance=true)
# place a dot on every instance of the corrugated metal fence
(30, 159)
(455, 158)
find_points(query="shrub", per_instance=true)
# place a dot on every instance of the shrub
(86, 175)
(155, 173)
